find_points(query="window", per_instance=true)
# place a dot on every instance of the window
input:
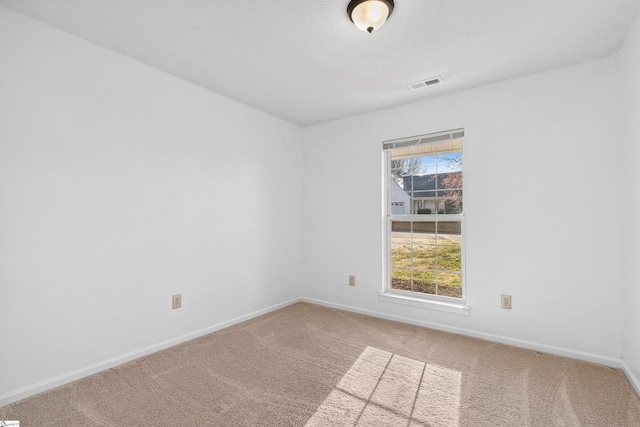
(424, 217)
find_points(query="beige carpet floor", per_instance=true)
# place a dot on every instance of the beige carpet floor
(315, 366)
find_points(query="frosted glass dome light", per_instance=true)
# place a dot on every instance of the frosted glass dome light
(369, 15)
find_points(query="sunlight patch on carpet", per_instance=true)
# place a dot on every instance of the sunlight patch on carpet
(383, 388)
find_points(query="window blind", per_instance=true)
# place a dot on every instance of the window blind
(450, 140)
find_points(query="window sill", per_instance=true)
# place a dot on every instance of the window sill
(449, 307)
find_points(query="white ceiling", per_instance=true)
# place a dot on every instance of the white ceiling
(304, 61)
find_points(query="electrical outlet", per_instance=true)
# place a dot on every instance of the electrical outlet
(352, 280)
(176, 301)
(506, 301)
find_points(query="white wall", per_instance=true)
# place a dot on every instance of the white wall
(629, 58)
(540, 153)
(120, 186)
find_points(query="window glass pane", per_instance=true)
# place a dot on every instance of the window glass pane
(449, 246)
(450, 285)
(450, 162)
(450, 181)
(423, 166)
(400, 199)
(449, 230)
(424, 202)
(424, 233)
(424, 245)
(397, 177)
(449, 258)
(401, 279)
(424, 256)
(401, 254)
(407, 166)
(419, 184)
(421, 195)
(399, 208)
(424, 230)
(452, 201)
(429, 161)
(401, 230)
(424, 282)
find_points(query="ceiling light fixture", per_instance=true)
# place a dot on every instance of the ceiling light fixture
(369, 15)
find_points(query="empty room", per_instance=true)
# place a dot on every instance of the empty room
(319, 213)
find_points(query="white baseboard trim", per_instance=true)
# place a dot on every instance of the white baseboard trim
(635, 381)
(543, 348)
(22, 393)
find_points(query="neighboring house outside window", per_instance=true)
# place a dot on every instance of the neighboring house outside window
(401, 201)
(424, 217)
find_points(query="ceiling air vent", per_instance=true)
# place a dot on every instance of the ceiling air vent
(424, 83)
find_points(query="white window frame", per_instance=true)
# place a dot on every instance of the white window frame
(388, 294)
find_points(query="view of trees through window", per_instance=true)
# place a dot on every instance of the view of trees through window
(434, 182)
(426, 245)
